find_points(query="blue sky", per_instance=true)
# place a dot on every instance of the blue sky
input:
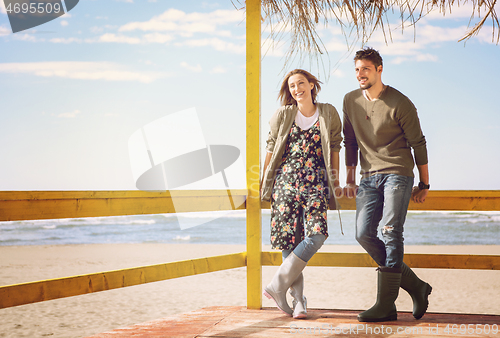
(75, 89)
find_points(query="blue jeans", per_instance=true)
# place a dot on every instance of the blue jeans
(307, 248)
(383, 198)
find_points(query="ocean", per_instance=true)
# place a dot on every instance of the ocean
(421, 228)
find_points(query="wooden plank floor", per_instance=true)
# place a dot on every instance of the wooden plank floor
(269, 322)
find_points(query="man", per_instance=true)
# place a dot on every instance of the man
(383, 124)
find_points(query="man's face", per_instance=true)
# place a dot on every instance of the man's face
(366, 73)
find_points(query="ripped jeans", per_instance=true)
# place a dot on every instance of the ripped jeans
(383, 199)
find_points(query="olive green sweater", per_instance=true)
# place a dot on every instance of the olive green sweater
(384, 131)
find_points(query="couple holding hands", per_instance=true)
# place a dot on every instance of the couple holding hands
(301, 181)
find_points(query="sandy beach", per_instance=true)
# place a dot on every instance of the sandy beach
(455, 291)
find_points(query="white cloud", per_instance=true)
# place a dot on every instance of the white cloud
(187, 24)
(26, 37)
(414, 43)
(400, 60)
(110, 37)
(146, 38)
(215, 43)
(212, 29)
(272, 47)
(218, 70)
(70, 115)
(2, 8)
(415, 58)
(106, 71)
(426, 57)
(209, 5)
(65, 40)
(157, 38)
(462, 11)
(407, 46)
(277, 28)
(486, 35)
(338, 73)
(5, 31)
(195, 69)
(64, 23)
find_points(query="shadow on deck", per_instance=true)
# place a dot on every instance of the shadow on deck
(238, 321)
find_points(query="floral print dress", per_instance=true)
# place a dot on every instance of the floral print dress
(299, 200)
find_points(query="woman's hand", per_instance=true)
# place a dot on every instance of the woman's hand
(337, 189)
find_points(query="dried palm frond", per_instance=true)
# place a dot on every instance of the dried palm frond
(359, 19)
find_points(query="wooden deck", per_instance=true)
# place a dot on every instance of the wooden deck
(239, 321)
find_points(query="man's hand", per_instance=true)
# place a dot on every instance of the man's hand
(418, 196)
(350, 190)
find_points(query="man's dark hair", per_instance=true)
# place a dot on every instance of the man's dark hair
(370, 54)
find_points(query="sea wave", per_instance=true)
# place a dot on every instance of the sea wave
(229, 227)
(182, 238)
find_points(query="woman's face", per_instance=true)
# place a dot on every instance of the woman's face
(300, 88)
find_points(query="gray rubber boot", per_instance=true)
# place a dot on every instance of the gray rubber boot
(418, 290)
(389, 280)
(299, 302)
(287, 273)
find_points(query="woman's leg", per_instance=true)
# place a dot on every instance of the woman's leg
(287, 273)
(309, 246)
(285, 221)
(299, 301)
(315, 223)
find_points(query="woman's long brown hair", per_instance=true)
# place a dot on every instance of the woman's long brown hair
(285, 96)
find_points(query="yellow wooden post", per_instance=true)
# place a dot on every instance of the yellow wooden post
(254, 236)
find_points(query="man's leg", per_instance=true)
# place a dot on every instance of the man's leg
(417, 289)
(369, 207)
(397, 191)
(397, 194)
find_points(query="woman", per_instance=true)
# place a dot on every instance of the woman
(300, 177)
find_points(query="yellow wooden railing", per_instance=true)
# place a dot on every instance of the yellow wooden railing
(28, 205)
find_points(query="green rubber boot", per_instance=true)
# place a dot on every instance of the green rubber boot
(418, 290)
(389, 280)
(287, 273)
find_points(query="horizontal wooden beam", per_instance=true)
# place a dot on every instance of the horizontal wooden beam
(463, 200)
(26, 293)
(443, 200)
(427, 261)
(29, 205)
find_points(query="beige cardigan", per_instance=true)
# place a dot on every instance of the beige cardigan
(280, 124)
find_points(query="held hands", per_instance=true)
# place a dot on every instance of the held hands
(418, 196)
(350, 190)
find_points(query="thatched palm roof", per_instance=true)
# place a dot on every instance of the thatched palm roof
(361, 18)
